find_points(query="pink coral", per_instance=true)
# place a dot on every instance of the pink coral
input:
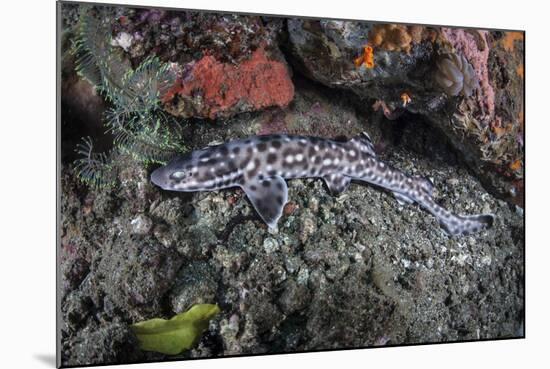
(473, 45)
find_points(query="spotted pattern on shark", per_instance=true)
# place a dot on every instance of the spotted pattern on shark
(260, 164)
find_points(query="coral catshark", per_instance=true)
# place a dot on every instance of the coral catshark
(260, 165)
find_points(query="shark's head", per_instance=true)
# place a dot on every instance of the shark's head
(178, 175)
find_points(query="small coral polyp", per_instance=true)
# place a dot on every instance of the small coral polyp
(455, 74)
(367, 58)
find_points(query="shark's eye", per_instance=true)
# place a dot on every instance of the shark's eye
(177, 175)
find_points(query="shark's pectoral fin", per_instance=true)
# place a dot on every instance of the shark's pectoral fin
(268, 196)
(337, 183)
(402, 199)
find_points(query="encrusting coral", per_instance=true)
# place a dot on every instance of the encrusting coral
(396, 37)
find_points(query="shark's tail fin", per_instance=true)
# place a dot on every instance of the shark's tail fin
(462, 225)
(453, 224)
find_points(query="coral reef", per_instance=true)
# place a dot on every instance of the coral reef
(357, 270)
(183, 37)
(350, 271)
(329, 52)
(227, 64)
(492, 124)
(483, 124)
(473, 45)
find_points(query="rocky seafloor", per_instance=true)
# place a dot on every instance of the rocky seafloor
(357, 270)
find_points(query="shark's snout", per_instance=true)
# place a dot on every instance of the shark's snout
(158, 177)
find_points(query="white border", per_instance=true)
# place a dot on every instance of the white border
(28, 182)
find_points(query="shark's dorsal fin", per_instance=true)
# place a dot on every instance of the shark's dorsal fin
(268, 196)
(364, 143)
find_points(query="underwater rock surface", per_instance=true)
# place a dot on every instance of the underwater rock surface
(356, 270)
(226, 64)
(396, 67)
